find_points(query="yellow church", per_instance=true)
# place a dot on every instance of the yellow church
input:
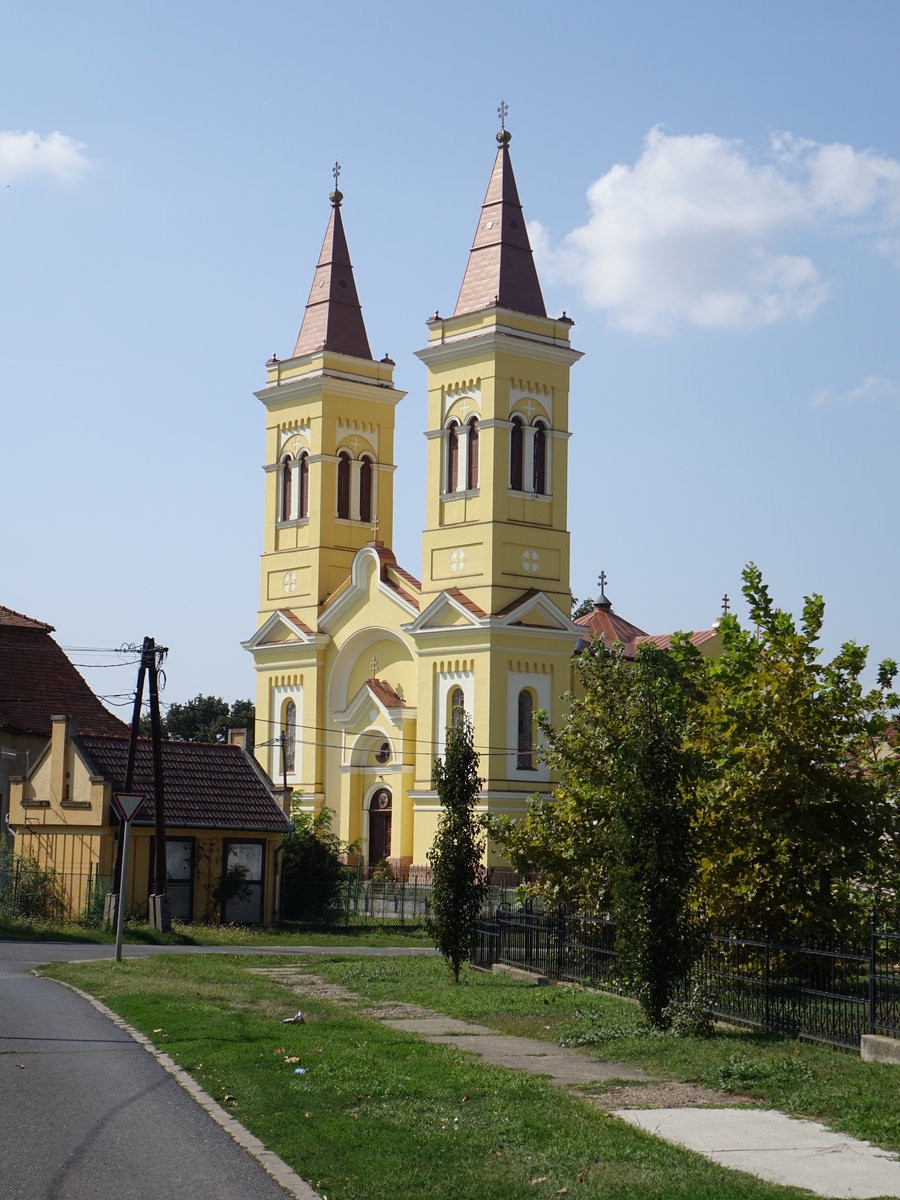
(361, 666)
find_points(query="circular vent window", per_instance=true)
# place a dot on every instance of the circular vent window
(383, 753)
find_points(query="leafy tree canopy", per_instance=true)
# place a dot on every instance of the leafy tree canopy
(206, 719)
(797, 818)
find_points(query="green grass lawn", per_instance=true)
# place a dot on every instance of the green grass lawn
(369, 934)
(380, 1113)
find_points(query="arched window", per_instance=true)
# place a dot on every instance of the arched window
(303, 471)
(286, 478)
(525, 736)
(457, 708)
(539, 472)
(516, 439)
(472, 467)
(343, 485)
(289, 735)
(365, 490)
(452, 457)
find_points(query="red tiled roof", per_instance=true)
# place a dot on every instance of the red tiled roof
(664, 640)
(38, 682)
(205, 785)
(333, 319)
(601, 621)
(385, 693)
(501, 266)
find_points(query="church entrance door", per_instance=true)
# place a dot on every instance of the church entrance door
(379, 827)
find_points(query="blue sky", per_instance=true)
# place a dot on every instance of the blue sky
(713, 192)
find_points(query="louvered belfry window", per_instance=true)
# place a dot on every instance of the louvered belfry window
(343, 485)
(472, 469)
(516, 439)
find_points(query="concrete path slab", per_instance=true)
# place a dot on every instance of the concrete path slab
(536, 1058)
(776, 1148)
(435, 1025)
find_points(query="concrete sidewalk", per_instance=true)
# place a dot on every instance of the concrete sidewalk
(767, 1144)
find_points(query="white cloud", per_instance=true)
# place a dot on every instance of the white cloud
(873, 387)
(54, 155)
(697, 232)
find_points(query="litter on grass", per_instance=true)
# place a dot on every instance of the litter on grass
(299, 1070)
(299, 1019)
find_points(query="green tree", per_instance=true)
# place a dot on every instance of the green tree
(616, 834)
(206, 719)
(312, 865)
(798, 813)
(651, 847)
(455, 858)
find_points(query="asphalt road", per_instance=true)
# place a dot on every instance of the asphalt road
(87, 1114)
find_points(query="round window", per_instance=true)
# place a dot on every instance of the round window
(383, 753)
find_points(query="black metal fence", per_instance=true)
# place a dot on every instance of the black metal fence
(356, 900)
(832, 994)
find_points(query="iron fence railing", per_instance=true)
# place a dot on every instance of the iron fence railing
(827, 993)
(356, 900)
(32, 892)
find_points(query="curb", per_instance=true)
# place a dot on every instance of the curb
(283, 1175)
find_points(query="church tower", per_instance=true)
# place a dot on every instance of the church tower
(498, 415)
(329, 442)
(494, 636)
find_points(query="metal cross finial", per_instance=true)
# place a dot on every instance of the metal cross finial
(503, 113)
(601, 584)
(336, 172)
(375, 525)
(726, 604)
(374, 667)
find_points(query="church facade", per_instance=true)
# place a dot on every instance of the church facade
(361, 666)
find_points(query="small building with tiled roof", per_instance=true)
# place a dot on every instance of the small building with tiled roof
(220, 809)
(37, 680)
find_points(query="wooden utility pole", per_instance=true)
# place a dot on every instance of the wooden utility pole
(151, 658)
(132, 750)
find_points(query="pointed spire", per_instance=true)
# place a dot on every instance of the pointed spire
(333, 319)
(501, 265)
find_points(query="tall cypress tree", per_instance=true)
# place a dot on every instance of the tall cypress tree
(456, 855)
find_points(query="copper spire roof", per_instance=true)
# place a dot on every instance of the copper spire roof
(333, 319)
(501, 265)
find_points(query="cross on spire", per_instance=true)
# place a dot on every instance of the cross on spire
(726, 604)
(503, 113)
(375, 526)
(601, 584)
(374, 665)
(337, 195)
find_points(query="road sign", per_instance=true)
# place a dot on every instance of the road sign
(128, 803)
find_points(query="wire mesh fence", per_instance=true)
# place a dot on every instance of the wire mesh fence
(31, 892)
(827, 993)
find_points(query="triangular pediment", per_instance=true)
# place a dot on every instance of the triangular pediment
(374, 697)
(282, 628)
(449, 610)
(538, 612)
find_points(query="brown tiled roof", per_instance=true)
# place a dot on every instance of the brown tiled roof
(38, 682)
(601, 621)
(461, 598)
(333, 319)
(17, 620)
(501, 266)
(514, 604)
(295, 619)
(205, 785)
(385, 693)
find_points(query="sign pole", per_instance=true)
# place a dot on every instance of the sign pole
(126, 805)
(123, 876)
